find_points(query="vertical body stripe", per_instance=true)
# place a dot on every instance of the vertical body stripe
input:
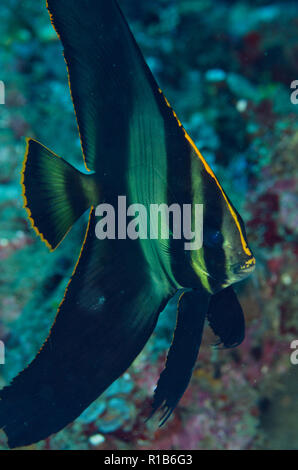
(208, 169)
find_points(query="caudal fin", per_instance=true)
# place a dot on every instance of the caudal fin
(56, 194)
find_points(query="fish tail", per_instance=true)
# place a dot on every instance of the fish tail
(55, 193)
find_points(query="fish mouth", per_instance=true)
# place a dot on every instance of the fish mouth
(244, 269)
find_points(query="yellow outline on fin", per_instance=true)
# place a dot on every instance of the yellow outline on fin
(209, 170)
(71, 277)
(26, 206)
(70, 89)
(64, 296)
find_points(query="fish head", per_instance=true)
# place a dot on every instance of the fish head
(225, 257)
(239, 259)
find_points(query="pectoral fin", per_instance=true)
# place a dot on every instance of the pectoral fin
(225, 317)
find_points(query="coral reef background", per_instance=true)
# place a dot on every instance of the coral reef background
(226, 67)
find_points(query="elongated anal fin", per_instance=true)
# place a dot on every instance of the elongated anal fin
(174, 379)
(108, 313)
(55, 193)
(226, 318)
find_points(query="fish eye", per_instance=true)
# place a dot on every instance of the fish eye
(213, 238)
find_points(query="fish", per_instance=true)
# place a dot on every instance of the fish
(133, 145)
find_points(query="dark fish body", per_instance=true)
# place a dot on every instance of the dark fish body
(133, 145)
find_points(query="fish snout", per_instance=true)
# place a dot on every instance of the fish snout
(245, 268)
